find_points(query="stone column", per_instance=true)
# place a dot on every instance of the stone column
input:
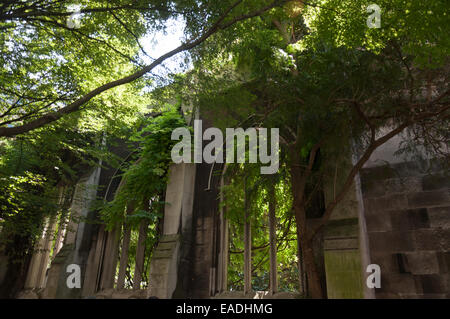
(110, 259)
(164, 270)
(140, 254)
(45, 256)
(124, 256)
(77, 242)
(342, 256)
(93, 271)
(35, 264)
(222, 269)
(247, 247)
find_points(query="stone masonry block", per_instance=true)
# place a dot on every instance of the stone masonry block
(388, 262)
(409, 219)
(439, 217)
(434, 283)
(398, 283)
(402, 185)
(397, 241)
(435, 182)
(379, 222)
(158, 280)
(372, 188)
(201, 236)
(341, 228)
(169, 238)
(427, 199)
(432, 239)
(159, 266)
(422, 262)
(341, 243)
(162, 254)
(414, 168)
(385, 203)
(444, 261)
(377, 173)
(167, 245)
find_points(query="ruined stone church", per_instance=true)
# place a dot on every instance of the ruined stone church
(397, 216)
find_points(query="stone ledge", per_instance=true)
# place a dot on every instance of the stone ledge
(428, 199)
(341, 244)
(120, 294)
(257, 295)
(341, 228)
(169, 238)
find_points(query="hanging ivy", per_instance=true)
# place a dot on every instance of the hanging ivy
(144, 181)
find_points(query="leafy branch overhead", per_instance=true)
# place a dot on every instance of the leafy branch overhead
(77, 98)
(39, 119)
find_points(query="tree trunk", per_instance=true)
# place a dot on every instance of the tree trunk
(301, 268)
(273, 282)
(247, 245)
(315, 288)
(314, 283)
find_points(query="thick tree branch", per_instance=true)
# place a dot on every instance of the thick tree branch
(76, 105)
(30, 11)
(364, 158)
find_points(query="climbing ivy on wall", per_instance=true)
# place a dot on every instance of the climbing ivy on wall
(145, 179)
(140, 195)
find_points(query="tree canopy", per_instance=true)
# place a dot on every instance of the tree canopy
(76, 77)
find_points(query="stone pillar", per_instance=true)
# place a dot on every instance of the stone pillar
(110, 259)
(124, 256)
(93, 271)
(342, 255)
(45, 255)
(77, 241)
(62, 227)
(363, 238)
(37, 269)
(140, 254)
(163, 278)
(247, 247)
(35, 264)
(222, 268)
(62, 222)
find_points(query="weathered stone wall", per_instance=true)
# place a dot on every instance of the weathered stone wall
(200, 262)
(344, 238)
(407, 211)
(77, 241)
(342, 241)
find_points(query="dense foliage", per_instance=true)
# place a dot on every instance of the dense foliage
(313, 69)
(144, 181)
(330, 83)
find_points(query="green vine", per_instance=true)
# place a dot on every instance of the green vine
(144, 181)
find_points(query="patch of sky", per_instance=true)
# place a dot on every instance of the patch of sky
(160, 42)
